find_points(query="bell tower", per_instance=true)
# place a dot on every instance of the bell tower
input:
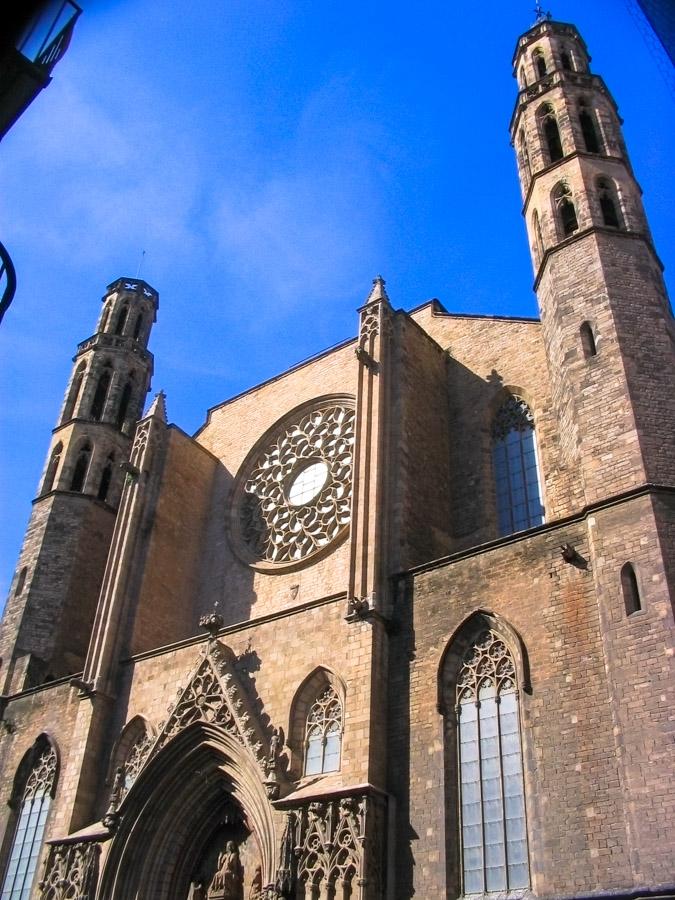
(52, 600)
(606, 319)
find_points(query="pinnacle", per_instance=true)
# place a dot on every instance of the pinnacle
(157, 407)
(378, 291)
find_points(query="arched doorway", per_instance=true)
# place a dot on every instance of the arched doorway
(200, 792)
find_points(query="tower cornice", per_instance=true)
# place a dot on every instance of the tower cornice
(547, 26)
(553, 80)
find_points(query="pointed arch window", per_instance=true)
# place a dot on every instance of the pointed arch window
(492, 795)
(609, 203)
(124, 402)
(106, 478)
(514, 456)
(101, 394)
(538, 238)
(52, 468)
(323, 734)
(565, 211)
(81, 468)
(566, 60)
(121, 320)
(589, 129)
(31, 818)
(138, 326)
(74, 392)
(524, 156)
(539, 63)
(551, 133)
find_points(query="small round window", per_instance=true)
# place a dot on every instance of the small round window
(308, 483)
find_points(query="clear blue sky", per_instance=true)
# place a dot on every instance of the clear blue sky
(271, 158)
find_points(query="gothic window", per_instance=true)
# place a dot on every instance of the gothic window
(609, 204)
(52, 468)
(106, 478)
(104, 318)
(522, 80)
(565, 211)
(492, 797)
(138, 326)
(121, 320)
(33, 802)
(81, 467)
(100, 394)
(74, 392)
(323, 734)
(516, 471)
(566, 61)
(124, 402)
(129, 756)
(551, 132)
(537, 237)
(524, 156)
(587, 340)
(589, 130)
(539, 63)
(631, 592)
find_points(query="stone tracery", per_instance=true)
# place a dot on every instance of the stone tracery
(272, 526)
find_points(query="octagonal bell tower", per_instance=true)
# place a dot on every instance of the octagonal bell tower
(606, 319)
(52, 600)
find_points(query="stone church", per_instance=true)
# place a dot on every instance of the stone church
(395, 623)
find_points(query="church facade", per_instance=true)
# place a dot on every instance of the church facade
(397, 622)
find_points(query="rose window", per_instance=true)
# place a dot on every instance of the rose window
(296, 494)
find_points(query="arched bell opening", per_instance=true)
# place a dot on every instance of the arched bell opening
(200, 792)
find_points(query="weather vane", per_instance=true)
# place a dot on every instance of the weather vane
(540, 14)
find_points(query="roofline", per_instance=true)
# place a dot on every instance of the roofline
(538, 25)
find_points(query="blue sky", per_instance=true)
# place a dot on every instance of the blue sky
(271, 158)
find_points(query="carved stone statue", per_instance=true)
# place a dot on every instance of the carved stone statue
(197, 891)
(228, 882)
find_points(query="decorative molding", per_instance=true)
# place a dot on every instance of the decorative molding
(41, 779)
(71, 872)
(334, 842)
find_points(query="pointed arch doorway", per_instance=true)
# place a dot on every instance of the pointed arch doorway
(200, 792)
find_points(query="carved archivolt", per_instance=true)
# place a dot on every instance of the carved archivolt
(295, 494)
(71, 872)
(513, 415)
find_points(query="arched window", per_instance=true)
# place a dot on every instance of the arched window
(537, 237)
(565, 211)
(74, 392)
(631, 592)
(52, 468)
(121, 320)
(514, 456)
(587, 340)
(104, 318)
(106, 478)
(80, 470)
(100, 394)
(550, 132)
(609, 204)
(524, 155)
(522, 78)
(589, 129)
(494, 855)
(31, 817)
(539, 63)
(124, 402)
(138, 326)
(566, 60)
(323, 734)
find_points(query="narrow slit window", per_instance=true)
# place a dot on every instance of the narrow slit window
(631, 591)
(588, 340)
(539, 63)
(589, 131)
(121, 320)
(124, 404)
(608, 203)
(52, 468)
(106, 478)
(100, 395)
